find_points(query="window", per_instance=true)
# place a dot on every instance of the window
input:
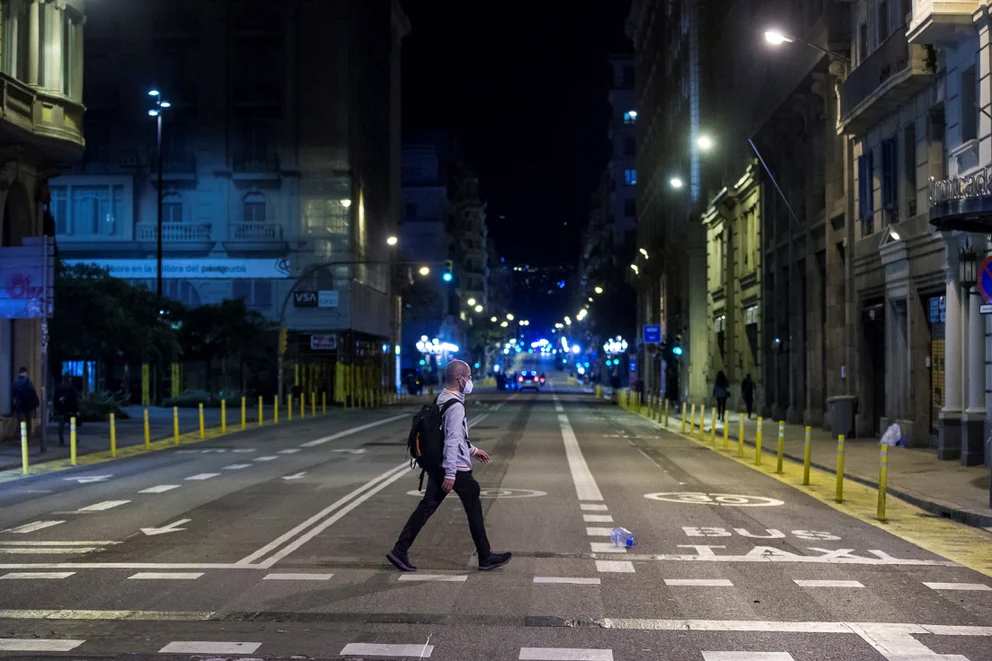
(883, 20)
(630, 177)
(172, 208)
(628, 76)
(86, 210)
(890, 181)
(630, 207)
(909, 168)
(969, 109)
(629, 146)
(411, 211)
(866, 202)
(862, 42)
(257, 294)
(630, 117)
(254, 208)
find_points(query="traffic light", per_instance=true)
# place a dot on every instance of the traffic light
(283, 340)
(677, 346)
(447, 275)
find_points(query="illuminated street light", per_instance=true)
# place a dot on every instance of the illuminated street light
(599, 290)
(704, 142)
(635, 269)
(505, 324)
(471, 302)
(633, 114)
(346, 203)
(590, 299)
(493, 319)
(392, 241)
(153, 92)
(568, 322)
(425, 270)
(478, 308)
(777, 38)
(153, 113)
(644, 252)
(675, 182)
(509, 316)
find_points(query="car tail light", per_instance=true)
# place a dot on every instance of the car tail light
(521, 379)
(542, 380)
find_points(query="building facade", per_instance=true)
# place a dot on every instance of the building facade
(41, 130)
(279, 170)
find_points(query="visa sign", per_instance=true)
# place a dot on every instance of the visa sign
(304, 299)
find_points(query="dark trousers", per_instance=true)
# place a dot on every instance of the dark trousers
(468, 490)
(25, 417)
(64, 419)
(721, 406)
(749, 403)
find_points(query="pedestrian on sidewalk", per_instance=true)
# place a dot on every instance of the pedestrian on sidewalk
(66, 404)
(721, 390)
(24, 399)
(747, 393)
(456, 474)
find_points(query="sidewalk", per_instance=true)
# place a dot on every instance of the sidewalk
(945, 488)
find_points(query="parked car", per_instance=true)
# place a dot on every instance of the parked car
(530, 380)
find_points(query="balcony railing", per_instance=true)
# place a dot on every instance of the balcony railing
(46, 115)
(938, 21)
(884, 81)
(252, 162)
(254, 232)
(174, 232)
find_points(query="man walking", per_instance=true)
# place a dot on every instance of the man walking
(66, 403)
(25, 400)
(456, 474)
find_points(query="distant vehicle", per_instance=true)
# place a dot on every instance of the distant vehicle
(530, 380)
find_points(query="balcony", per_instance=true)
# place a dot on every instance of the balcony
(50, 123)
(184, 237)
(255, 237)
(883, 82)
(177, 164)
(255, 165)
(938, 21)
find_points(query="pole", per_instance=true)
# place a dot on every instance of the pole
(260, 411)
(244, 412)
(726, 435)
(113, 436)
(757, 443)
(158, 281)
(713, 427)
(781, 447)
(839, 497)
(223, 416)
(289, 406)
(807, 452)
(72, 440)
(323, 403)
(313, 405)
(303, 406)
(200, 408)
(683, 417)
(740, 437)
(148, 436)
(275, 409)
(883, 478)
(24, 448)
(175, 424)
(692, 421)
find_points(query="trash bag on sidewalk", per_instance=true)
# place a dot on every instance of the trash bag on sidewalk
(893, 436)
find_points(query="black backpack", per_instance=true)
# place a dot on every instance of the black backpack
(426, 439)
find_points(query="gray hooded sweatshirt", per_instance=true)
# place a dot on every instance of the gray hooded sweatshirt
(458, 451)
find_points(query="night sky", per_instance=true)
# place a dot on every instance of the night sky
(523, 86)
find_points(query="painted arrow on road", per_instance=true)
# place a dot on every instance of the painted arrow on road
(349, 451)
(166, 529)
(298, 476)
(89, 479)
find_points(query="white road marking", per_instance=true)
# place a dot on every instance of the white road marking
(434, 578)
(353, 430)
(88, 479)
(597, 518)
(615, 566)
(564, 654)
(162, 488)
(172, 527)
(296, 476)
(976, 587)
(290, 451)
(566, 580)
(208, 647)
(31, 575)
(165, 576)
(243, 450)
(379, 649)
(747, 656)
(268, 458)
(559, 408)
(297, 577)
(350, 451)
(202, 476)
(25, 543)
(101, 507)
(38, 645)
(80, 614)
(41, 550)
(585, 484)
(593, 507)
(235, 467)
(827, 584)
(699, 582)
(598, 532)
(33, 527)
(606, 547)
(704, 553)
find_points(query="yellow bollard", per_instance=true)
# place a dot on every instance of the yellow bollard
(740, 437)
(683, 417)
(313, 405)
(72, 438)
(702, 423)
(24, 448)
(303, 406)
(223, 416)
(275, 410)
(113, 436)
(692, 422)
(175, 424)
(323, 403)
(757, 443)
(781, 447)
(289, 407)
(839, 497)
(883, 479)
(244, 412)
(148, 436)
(200, 407)
(807, 451)
(726, 434)
(713, 427)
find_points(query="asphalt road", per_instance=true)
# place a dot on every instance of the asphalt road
(270, 543)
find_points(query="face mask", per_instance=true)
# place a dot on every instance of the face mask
(468, 387)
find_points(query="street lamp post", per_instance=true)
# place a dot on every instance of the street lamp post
(156, 112)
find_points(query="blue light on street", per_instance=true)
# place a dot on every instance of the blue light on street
(423, 362)
(677, 351)
(446, 277)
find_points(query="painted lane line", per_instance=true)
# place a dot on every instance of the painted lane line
(559, 408)
(236, 467)
(970, 587)
(565, 580)
(243, 450)
(585, 484)
(172, 527)
(747, 656)
(615, 566)
(606, 547)
(597, 518)
(202, 476)
(162, 488)
(564, 654)
(33, 575)
(297, 577)
(434, 578)
(38, 645)
(290, 451)
(827, 584)
(79, 614)
(268, 458)
(296, 476)
(102, 507)
(379, 649)
(32, 527)
(208, 647)
(43, 550)
(88, 479)
(598, 532)
(165, 576)
(593, 507)
(353, 430)
(26, 543)
(699, 582)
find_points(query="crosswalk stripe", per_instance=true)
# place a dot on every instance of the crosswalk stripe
(28, 575)
(827, 584)
(615, 566)
(566, 580)
(33, 527)
(747, 656)
(434, 578)
(236, 467)
(699, 582)
(297, 577)
(598, 532)
(38, 645)
(165, 576)
(208, 647)
(593, 507)
(162, 488)
(976, 587)
(269, 458)
(597, 518)
(606, 547)
(202, 476)
(379, 649)
(564, 654)
(105, 505)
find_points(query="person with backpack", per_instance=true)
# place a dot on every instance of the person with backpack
(439, 444)
(24, 400)
(66, 402)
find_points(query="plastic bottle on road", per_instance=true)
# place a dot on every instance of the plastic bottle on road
(622, 537)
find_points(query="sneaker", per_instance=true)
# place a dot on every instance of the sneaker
(401, 561)
(494, 561)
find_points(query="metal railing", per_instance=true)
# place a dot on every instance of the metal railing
(254, 232)
(174, 232)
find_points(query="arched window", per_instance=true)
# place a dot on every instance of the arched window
(172, 208)
(254, 208)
